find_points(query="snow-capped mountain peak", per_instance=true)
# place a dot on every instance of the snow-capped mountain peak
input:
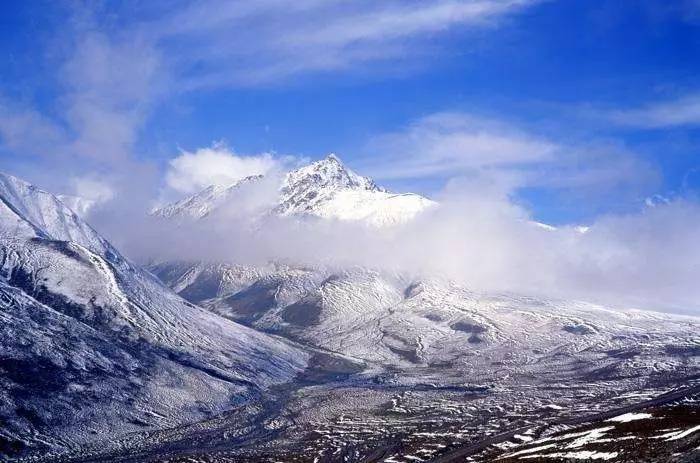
(305, 188)
(324, 189)
(329, 172)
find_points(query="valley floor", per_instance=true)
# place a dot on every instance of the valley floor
(335, 412)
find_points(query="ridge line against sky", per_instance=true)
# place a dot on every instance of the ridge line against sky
(513, 93)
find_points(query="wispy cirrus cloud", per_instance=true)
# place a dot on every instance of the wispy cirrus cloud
(450, 143)
(104, 85)
(244, 43)
(110, 82)
(506, 156)
(680, 112)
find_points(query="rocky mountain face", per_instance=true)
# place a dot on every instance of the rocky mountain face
(92, 344)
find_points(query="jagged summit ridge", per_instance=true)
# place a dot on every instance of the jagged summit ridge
(328, 173)
(323, 189)
(308, 186)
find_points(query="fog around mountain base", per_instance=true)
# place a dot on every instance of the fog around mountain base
(477, 237)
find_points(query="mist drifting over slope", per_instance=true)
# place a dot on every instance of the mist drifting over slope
(477, 236)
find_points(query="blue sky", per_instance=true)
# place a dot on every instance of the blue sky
(575, 109)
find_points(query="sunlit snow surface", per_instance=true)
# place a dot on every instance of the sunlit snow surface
(627, 417)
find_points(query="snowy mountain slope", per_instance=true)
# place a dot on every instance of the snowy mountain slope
(96, 351)
(325, 189)
(424, 359)
(395, 322)
(205, 202)
(27, 211)
(91, 343)
(196, 206)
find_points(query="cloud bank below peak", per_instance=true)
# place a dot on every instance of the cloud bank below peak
(475, 237)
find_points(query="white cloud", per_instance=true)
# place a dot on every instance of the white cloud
(500, 156)
(398, 20)
(271, 40)
(684, 111)
(449, 144)
(477, 238)
(89, 193)
(93, 189)
(191, 172)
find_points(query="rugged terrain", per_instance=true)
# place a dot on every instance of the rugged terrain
(101, 361)
(92, 344)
